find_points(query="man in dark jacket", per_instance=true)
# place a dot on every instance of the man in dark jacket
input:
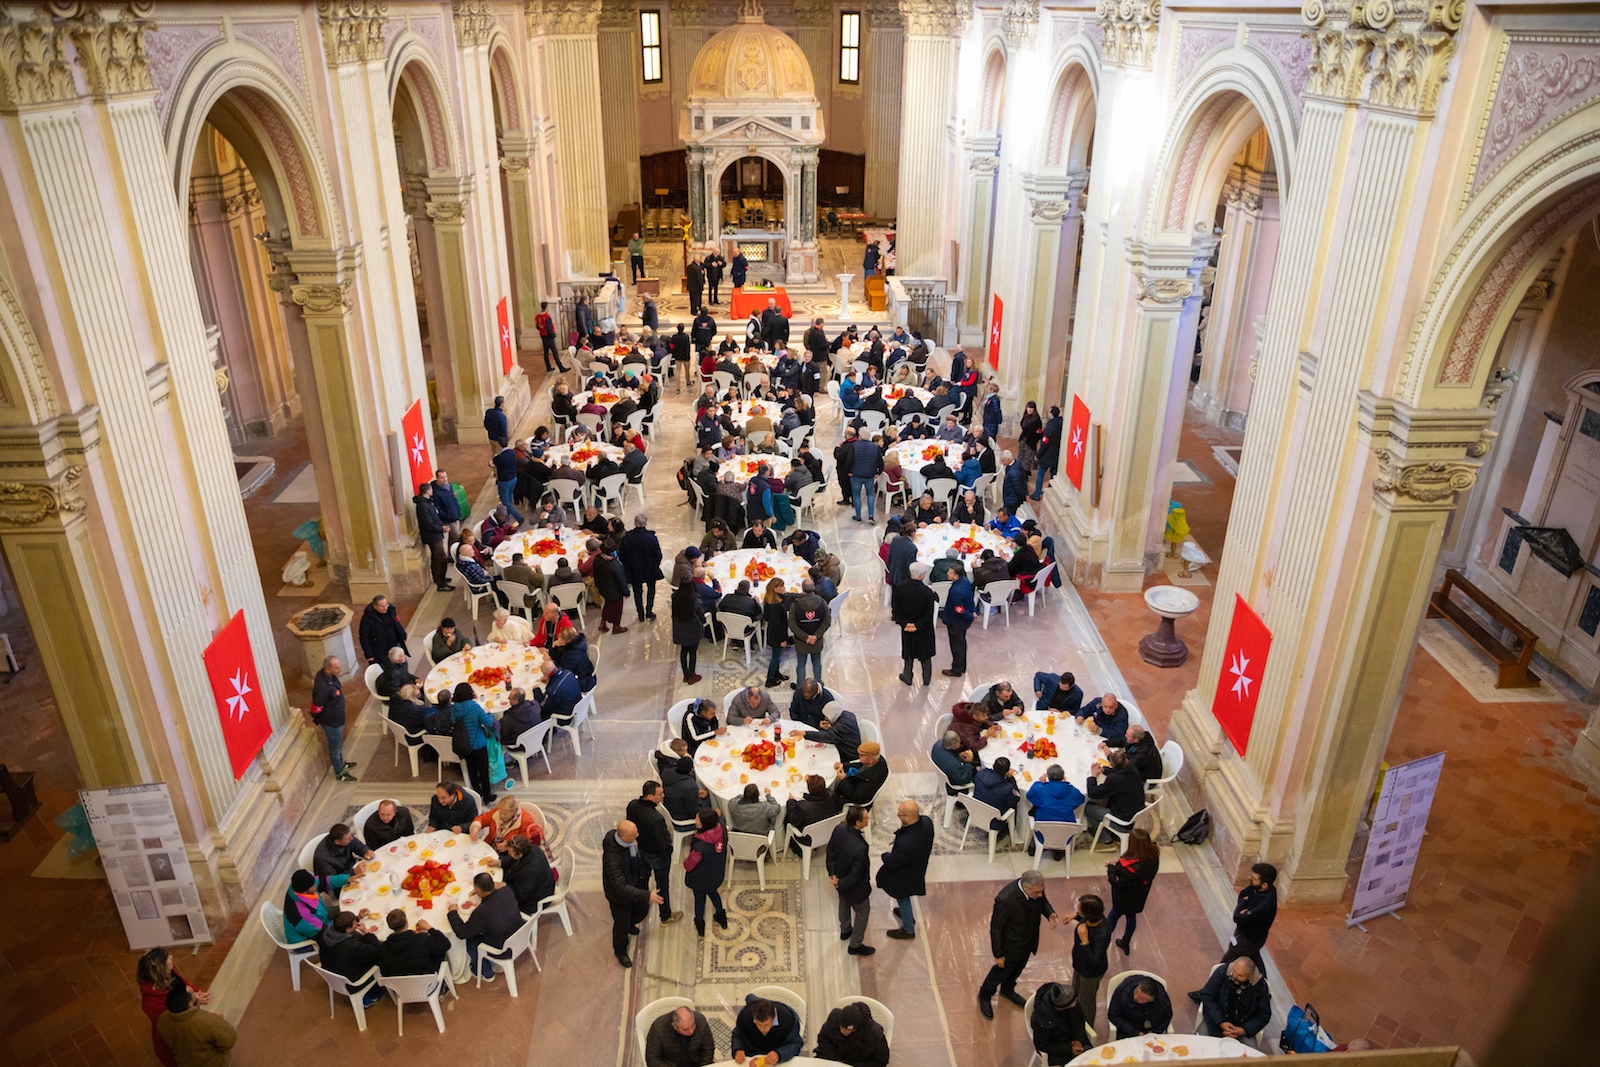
(451, 808)
(418, 951)
(866, 461)
(560, 694)
(345, 950)
(680, 1038)
(1013, 937)
(338, 852)
(684, 796)
(1253, 915)
(1235, 1002)
(840, 730)
(818, 803)
(381, 629)
(1139, 1005)
(625, 876)
(766, 1028)
(816, 342)
(694, 276)
(860, 784)
(774, 325)
(444, 500)
(713, 265)
(842, 454)
(911, 607)
(1143, 753)
(960, 608)
(494, 422)
(327, 711)
(493, 922)
(809, 620)
(808, 702)
(640, 552)
(849, 871)
(655, 843)
(1059, 1030)
(430, 530)
(850, 1035)
(1014, 484)
(387, 825)
(1109, 717)
(903, 870)
(997, 787)
(527, 873)
(522, 716)
(1120, 794)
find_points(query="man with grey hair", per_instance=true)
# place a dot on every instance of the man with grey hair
(1013, 937)
(1235, 1002)
(681, 1036)
(911, 607)
(946, 567)
(957, 762)
(396, 673)
(752, 707)
(639, 550)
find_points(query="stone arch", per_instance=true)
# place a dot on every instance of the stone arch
(27, 395)
(412, 65)
(243, 94)
(991, 105)
(1533, 204)
(1233, 93)
(508, 97)
(1069, 133)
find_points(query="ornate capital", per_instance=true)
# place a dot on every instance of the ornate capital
(884, 14)
(112, 52)
(1167, 275)
(983, 164)
(568, 16)
(935, 18)
(1130, 28)
(352, 30)
(1157, 289)
(33, 69)
(1239, 194)
(30, 503)
(446, 210)
(322, 299)
(620, 15)
(1021, 22)
(1429, 482)
(1392, 53)
(474, 20)
(514, 166)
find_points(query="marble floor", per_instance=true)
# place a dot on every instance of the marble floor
(1474, 922)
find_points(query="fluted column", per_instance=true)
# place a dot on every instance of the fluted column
(1033, 361)
(885, 74)
(814, 33)
(1245, 268)
(516, 158)
(447, 208)
(216, 204)
(619, 101)
(572, 52)
(983, 161)
(686, 32)
(933, 31)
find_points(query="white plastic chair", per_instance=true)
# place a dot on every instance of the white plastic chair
(944, 491)
(675, 716)
(1057, 836)
(308, 850)
(517, 597)
(571, 598)
(880, 1014)
(567, 491)
(818, 832)
(984, 487)
(370, 677)
(808, 498)
(870, 731)
(647, 1015)
(976, 696)
(724, 380)
(1121, 830)
(355, 989)
(740, 628)
(997, 595)
(753, 847)
(299, 951)
(1041, 582)
(872, 422)
(556, 903)
(1171, 767)
(403, 739)
(836, 605)
(976, 810)
(639, 485)
(594, 423)
(534, 741)
(949, 797)
(610, 491)
(419, 989)
(367, 811)
(580, 718)
(440, 743)
(475, 593)
(755, 438)
(784, 995)
(504, 958)
(1116, 983)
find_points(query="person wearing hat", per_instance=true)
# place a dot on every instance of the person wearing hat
(850, 1035)
(859, 784)
(1059, 1029)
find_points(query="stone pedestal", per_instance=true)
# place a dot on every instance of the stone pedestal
(1165, 648)
(324, 630)
(844, 294)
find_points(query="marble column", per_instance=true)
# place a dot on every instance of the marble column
(1033, 363)
(572, 52)
(619, 101)
(472, 380)
(701, 197)
(517, 177)
(983, 161)
(885, 75)
(1245, 267)
(427, 277)
(216, 205)
(814, 32)
(933, 31)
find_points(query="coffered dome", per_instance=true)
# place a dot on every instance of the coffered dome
(752, 61)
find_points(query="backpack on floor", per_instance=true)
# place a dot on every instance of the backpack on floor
(1302, 1032)
(1196, 828)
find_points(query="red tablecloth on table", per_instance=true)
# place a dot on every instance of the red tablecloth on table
(743, 303)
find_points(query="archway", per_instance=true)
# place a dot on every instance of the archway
(1068, 154)
(517, 194)
(983, 193)
(752, 196)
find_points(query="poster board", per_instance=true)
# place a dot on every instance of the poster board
(1399, 821)
(147, 865)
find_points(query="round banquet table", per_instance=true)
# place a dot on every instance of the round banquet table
(525, 661)
(746, 466)
(933, 540)
(895, 393)
(1076, 748)
(729, 568)
(572, 539)
(1172, 1046)
(604, 397)
(911, 459)
(591, 453)
(379, 891)
(742, 411)
(724, 772)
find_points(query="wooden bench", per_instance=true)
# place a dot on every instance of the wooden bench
(1512, 663)
(19, 790)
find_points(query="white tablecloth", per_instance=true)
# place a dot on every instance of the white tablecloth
(896, 392)
(571, 539)
(742, 411)
(724, 772)
(729, 567)
(1076, 748)
(933, 540)
(589, 454)
(525, 661)
(746, 466)
(1172, 1046)
(914, 455)
(604, 397)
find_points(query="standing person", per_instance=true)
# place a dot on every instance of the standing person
(197, 1038)
(655, 843)
(611, 582)
(870, 259)
(640, 552)
(849, 871)
(327, 711)
(381, 630)
(546, 326)
(1091, 949)
(866, 463)
(714, 264)
(649, 314)
(1049, 451)
(504, 464)
(816, 342)
(1130, 877)
(636, 257)
(903, 870)
(911, 608)
(430, 530)
(992, 415)
(809, 619)
(739, 269)
(695, 278)
(157, 978)
(688, 628)
(468, 715)
(775, 604)
(1253, 915)
(1013, 937)
(444, 499)
(704, 866)
(625, 876)
(958, 611)
(494, 422)
(1030, 427)
(774, 325)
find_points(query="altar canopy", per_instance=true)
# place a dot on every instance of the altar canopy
(751, 94)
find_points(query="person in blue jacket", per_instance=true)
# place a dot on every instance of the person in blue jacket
(494, 422)
(1054, 800)
(958, 612)
(561, 694)
(1109, 717)
(480, 727)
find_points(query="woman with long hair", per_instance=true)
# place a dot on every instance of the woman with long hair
(157, 978)
(688, 627)
(1130, 878)
(1030, 428)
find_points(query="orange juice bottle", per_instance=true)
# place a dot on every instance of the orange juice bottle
(1050, 724)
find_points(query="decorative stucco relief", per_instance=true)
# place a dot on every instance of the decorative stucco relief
(1538, 82)
(170, 47)
(281, 41)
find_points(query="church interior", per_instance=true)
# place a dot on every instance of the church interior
(1267, 327)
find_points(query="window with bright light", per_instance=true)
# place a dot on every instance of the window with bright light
(850, 48)
(650, 45)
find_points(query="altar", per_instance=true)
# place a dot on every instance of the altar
(758, 246)
(741, 302)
